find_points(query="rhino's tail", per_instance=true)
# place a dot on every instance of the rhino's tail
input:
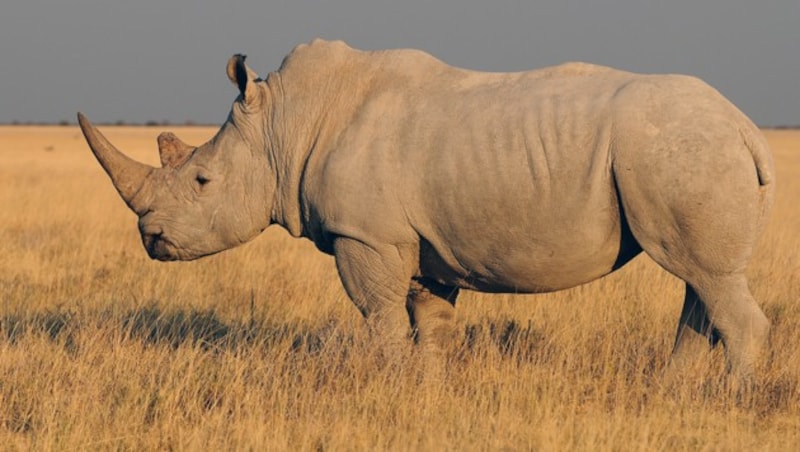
(759, 149)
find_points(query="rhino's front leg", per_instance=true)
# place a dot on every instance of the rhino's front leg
(432, 307)
(377, 280)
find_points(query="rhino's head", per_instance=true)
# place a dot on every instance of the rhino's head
(203, 199)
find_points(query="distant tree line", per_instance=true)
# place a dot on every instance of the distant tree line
(150, 123)
(189, 123)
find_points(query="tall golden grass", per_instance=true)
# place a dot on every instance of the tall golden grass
(259, 348)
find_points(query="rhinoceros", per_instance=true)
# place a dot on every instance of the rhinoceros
(422, 179)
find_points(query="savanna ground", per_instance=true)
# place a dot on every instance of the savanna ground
(259, 348)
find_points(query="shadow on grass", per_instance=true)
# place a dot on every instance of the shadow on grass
(207, 330)
(155, 326)
(57, 326)
(512, 338)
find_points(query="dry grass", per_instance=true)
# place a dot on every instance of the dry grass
(258, 348)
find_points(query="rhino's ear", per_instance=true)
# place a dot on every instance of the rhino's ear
(244, 78)
(172, 150)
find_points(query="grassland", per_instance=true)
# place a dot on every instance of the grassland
(258, 348)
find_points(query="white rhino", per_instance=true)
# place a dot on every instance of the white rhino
(423, 179)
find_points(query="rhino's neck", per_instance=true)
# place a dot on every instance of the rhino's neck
(317, 91)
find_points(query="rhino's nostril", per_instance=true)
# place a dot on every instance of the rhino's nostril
(151, 240)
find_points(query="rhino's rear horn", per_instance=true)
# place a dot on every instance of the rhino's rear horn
(172, 150)
(127, 175)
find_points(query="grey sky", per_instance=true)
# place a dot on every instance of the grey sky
(140, 60)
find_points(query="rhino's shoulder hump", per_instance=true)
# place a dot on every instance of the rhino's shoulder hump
(318, 51)
(574, 69)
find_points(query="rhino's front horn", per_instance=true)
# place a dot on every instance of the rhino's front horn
(127, 175)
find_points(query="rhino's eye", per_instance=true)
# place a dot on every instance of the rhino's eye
(201, 180)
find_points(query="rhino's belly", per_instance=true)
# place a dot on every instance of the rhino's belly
(530, 267)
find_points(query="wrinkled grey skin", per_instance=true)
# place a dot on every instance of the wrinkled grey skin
(423, 179)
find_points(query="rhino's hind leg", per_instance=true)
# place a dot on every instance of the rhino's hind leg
(695, 334)
(741, 324)
(697, 210)
(720, 307)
